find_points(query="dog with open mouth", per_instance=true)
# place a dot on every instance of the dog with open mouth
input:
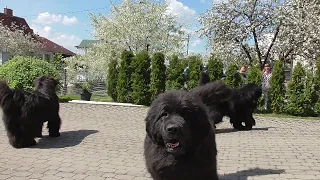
(179, 142)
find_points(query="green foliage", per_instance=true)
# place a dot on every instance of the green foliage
(310, 95)
(277, 88)
(233, 79)
(174, 78)
(141, 78)
(158, 75)
(124, 78)
(214, 68)
(58, 62)
(254, 75)
(112, 79)
(296, 92)
(86, 87)
(195, 64)
(21, 72)
(317, 87)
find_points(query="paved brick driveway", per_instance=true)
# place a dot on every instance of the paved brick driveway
(105, 142)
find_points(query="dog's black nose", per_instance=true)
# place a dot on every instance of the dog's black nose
(173, 128)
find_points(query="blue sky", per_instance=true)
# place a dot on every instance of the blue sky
(66, 23)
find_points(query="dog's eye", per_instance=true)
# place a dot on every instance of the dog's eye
(187, 111)
(164, 114)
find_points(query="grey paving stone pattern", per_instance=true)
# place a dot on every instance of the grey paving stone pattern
(105, 142)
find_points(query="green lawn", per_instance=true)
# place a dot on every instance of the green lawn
(66, 98)
(285, 116)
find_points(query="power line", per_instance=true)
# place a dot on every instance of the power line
(71, 12)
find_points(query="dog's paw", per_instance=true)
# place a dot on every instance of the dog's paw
(57, 134)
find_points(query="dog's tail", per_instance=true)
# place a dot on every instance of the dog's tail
(4, 90)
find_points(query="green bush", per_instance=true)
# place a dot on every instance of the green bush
(141, 78)
(124, 78)
(233, 78)
(21, 72)
(254, 75)
(215, 68)
(195, 64)
(174, 79)
(277, 89)
(296, 88)
(58, 62)
(310, 95)
(112, 79)
(158, 75)
(317, 87)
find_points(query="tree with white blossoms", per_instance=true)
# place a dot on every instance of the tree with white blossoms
(14, 40)
(263, 30)
(140, 25)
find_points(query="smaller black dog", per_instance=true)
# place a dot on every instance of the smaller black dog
(238, 104)
(25, 112)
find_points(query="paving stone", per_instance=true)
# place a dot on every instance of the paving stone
(106, 142)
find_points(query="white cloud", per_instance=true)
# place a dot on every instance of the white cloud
(68, 41)
(69, 21)
(47, 18)
(183, 12)
(196, 42)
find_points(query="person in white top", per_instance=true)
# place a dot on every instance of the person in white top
(266, 76)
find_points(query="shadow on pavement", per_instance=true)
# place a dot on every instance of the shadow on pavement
(243, 175)
(231, 130)
(66, 139)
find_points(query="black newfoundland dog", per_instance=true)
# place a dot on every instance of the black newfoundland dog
(25, 112)
(238, 104)
(180, 142)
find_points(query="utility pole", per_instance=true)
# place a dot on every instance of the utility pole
(188, 44)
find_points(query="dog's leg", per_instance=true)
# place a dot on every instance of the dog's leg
(18, 141)
(54, 124)
(39, 130)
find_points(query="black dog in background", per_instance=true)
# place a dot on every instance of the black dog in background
(221, 100)
(25, 112)
(180, 142)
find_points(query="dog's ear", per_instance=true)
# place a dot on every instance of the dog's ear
(152, 129)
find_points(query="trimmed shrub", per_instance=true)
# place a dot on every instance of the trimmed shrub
(158, 75)
(310, 95)
(58, 62)
(174, 74)
(124, 78)
(215, 68)
(254, 75)
(20, 72)
(141, 78)
(277, 89)
(233, 78)
(195, 65)
(317, 87)
(112, 79)
(296, 88)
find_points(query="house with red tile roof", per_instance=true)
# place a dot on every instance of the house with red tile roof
(50, 48)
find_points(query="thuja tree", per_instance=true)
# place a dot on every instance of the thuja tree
(214, 68)
(141, 78)
(317, 87)
(254, 75)
(158, 75)
(112, 79)
(233, 78)
(296, 88)
(310, 95)
(195, 65)
(277, 88)
(174, 75)
(124, 78)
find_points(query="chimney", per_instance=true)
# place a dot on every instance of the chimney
(8, 12)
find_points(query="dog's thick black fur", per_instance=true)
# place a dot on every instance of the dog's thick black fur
(238, 104)
(180, 142)
(25, 112)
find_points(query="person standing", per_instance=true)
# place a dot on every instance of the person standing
(243, 74)
(266, 76)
